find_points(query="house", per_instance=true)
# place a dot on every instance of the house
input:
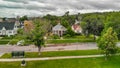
(76, 27)
(9, 28)
(58, 30)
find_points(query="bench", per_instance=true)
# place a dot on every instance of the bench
(18, 54)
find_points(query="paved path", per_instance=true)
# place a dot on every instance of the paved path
(49, 58)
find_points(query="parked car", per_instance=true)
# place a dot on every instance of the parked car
(20, 43)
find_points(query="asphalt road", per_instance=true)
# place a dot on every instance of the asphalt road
(50, 47)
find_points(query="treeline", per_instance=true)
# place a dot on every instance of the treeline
(91, 23)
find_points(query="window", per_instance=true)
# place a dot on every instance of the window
(10, 31)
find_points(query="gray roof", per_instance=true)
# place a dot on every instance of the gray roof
(59, 27)
(7, 25)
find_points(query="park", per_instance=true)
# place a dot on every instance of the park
(59, 34)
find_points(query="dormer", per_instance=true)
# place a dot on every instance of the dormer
(76, 21)
(3, 28)
(17, 23)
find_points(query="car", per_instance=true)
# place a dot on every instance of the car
(20, 43)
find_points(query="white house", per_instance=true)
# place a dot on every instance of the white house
(9, 28)
(59, 29)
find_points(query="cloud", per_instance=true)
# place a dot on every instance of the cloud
(12, 8)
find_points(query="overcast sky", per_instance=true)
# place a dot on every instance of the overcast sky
(12, 8)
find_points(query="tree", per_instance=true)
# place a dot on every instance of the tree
(41, 27)
(92, 25)
(70, 32)
(107, 42)
(24, 18)
(115, 25)
(28, 26)
(65, 23)
(67, 13)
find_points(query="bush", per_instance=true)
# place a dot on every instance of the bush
(56, 37)
(67, 35)
(6, 37)
(13, 42)
(70, 32)
(4, 41)
(27, 42)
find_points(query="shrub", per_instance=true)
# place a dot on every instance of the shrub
(56, 37)
(70, 32)
(27, 42)
(67, 35)
(6, 37)
(4, 41)
(13, 42)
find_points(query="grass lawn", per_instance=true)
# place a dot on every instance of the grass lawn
(57, 53)
(59, 41)
(2, 42)
(79, 37)
(5, 40)
(114, 62)
(75, 39)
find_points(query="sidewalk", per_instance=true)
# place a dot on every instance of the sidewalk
(49, 58)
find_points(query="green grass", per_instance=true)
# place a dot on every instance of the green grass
(114, 62)
(57, 53)
(75, 39)
(59, 41)
(79, 37)
(4, 42)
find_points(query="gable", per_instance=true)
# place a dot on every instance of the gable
(59, 27)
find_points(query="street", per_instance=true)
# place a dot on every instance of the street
(50, 47)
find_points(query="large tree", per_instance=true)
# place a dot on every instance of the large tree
(41, 27)
(115, 24)
(23, 18)
(107, 42)
(66, 13)
(70, 32)
(92, 25)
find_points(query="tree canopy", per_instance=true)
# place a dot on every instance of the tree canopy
(107, 42)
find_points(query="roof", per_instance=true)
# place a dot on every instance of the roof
(7, 25)
(59, 27)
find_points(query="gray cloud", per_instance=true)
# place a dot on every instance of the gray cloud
(12, 8)
(18, 1)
